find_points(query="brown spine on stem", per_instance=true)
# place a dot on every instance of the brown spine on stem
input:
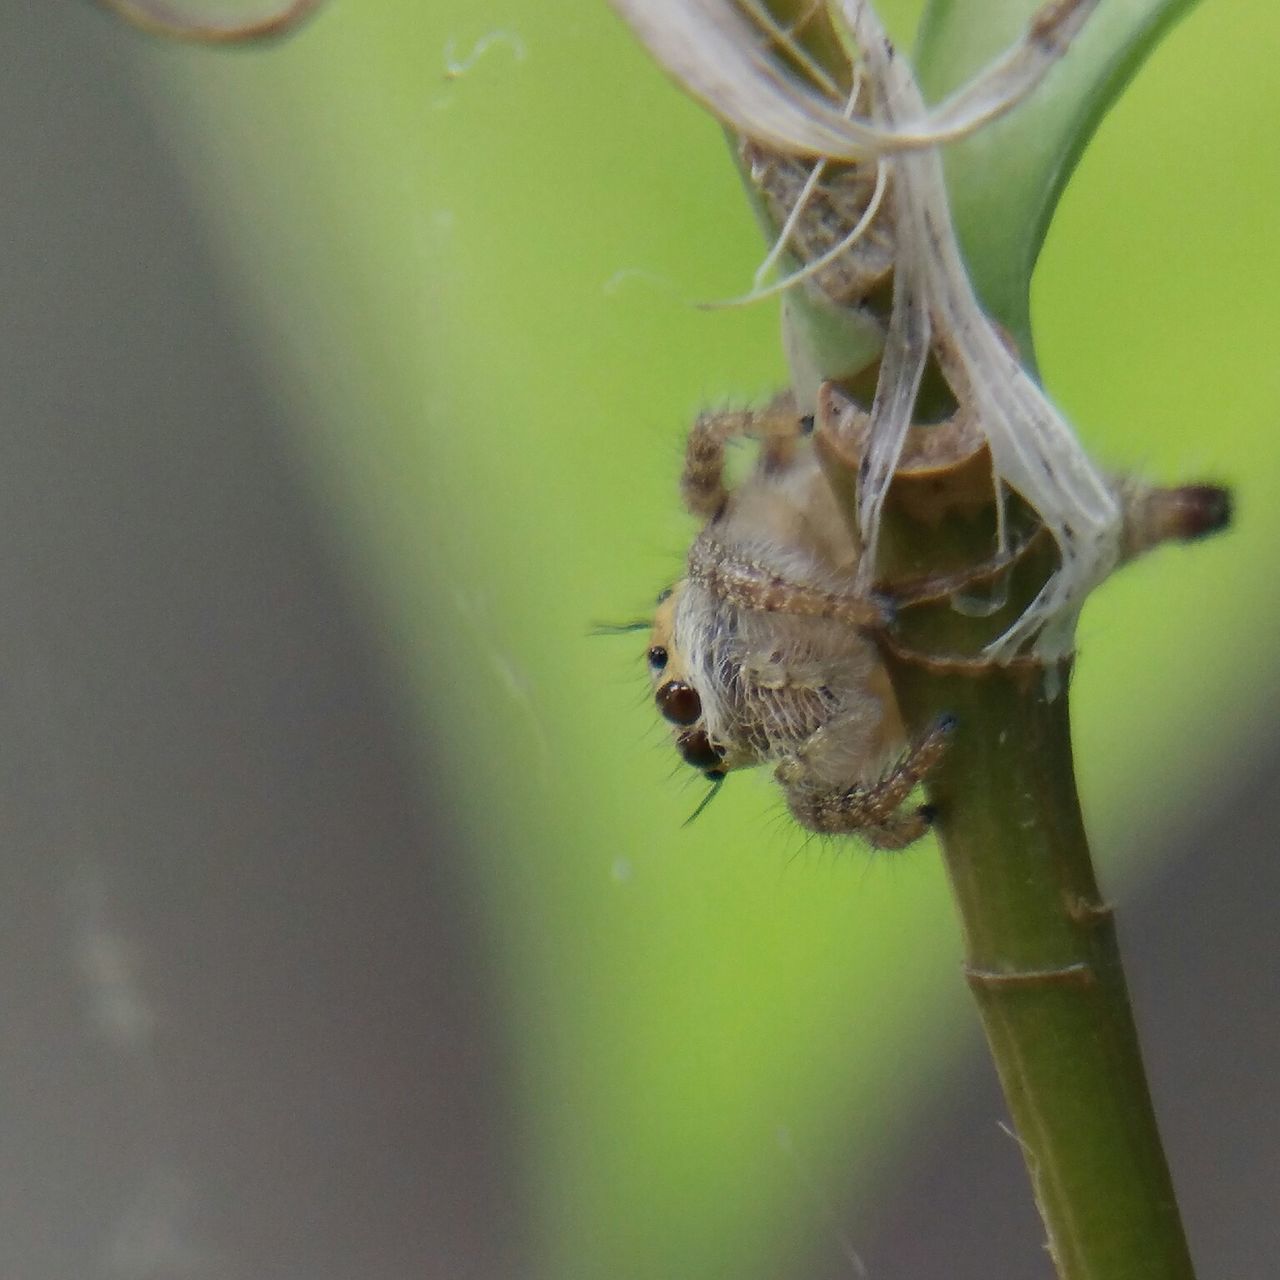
(1180, 514)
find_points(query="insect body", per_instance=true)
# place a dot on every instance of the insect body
(762, 653)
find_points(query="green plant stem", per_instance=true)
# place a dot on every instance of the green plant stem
(1041, 955)
(1042, 961)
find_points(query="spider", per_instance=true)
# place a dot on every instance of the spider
(763, 653)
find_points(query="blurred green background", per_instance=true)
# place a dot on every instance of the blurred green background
(706, 1051)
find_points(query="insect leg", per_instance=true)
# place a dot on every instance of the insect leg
(871, 810)
(702, 486)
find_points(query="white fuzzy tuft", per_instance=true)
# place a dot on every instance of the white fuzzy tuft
(1033, 449)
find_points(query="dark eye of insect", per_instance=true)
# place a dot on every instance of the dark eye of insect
(657, 657)
(664, 594)
(698, 750)
(679, 702)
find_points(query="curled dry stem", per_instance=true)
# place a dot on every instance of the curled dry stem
(718, 53)
(199, 22)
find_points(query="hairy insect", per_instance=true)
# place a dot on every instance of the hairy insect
(766, 652)
(763, 652)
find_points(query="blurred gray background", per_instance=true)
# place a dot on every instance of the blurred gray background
(246, 1025)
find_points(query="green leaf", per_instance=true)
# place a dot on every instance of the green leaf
(1005, 181)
